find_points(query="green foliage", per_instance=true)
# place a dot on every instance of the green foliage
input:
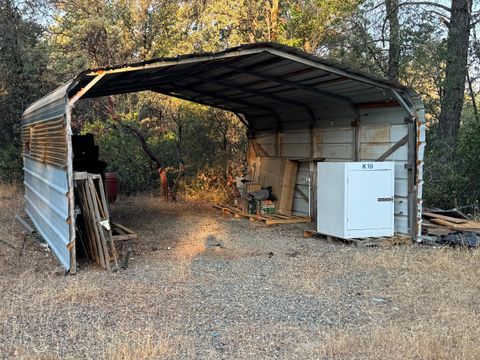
(123, 154)
(10, 164)
(187, 136)
(452, 174)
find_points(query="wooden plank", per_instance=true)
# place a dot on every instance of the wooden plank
(287, 221)
(124, 228)
(97, 227)
(89, 222)
(106, 215)
(468, 226)
(285, 198)
(80, 175)
(444, 217)
(394, 148)
(124, 237)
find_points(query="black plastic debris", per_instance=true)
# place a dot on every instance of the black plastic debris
(463, 239)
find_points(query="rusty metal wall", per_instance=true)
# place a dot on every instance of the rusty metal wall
(45, 159)
(45, 142)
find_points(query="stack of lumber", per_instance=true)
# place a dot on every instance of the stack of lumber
(96, 231)
(436, 223)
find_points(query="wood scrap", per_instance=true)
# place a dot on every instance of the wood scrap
(438, 224)
(96, 229)
(269, 219)
(430, 215)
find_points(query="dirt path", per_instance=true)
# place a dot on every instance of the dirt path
(203, 286)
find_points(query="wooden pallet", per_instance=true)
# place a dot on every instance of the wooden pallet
(363, 242)
(269, 219)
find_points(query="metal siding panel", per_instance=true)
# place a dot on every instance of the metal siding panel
(334, 152)
(380, 129)
(372, 151)
(401, 205)
(46, 198)
(334, 143)
(401, 224)
(375, 134)
(267, 141)
(49, 107)
(296, 144)
(300, 205)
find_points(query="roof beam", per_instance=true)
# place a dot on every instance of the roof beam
(244, 122)
(290, 83)
(260, 93)
(296, 85)
(330, 69)
(165, 74)
(216, 95)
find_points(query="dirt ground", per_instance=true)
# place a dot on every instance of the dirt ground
(204, 286)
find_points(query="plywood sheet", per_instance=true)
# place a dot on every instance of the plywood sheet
(285, 200)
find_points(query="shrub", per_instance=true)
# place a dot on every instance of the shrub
(11, 164)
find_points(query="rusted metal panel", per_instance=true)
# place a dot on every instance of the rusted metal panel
(45, 157)
(420, 143)
(46, 142)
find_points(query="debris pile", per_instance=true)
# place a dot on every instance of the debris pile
(450, 227)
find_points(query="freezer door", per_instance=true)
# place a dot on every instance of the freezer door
(369, 199)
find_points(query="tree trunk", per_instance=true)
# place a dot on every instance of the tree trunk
(394, 40)
(274, 9)
(455, 69)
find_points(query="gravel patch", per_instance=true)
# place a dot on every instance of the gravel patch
(205, 286)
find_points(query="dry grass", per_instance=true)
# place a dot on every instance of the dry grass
(310, 300)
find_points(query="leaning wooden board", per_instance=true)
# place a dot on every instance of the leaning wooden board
(285, 202)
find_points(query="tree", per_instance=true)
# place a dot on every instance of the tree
(455, 69)
(393, 71)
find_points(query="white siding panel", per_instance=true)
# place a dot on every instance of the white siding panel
(401, 187)
(375, 134)
(372, 151)
(267, 141)
(296, 144)
(401, 224)
(334, 143)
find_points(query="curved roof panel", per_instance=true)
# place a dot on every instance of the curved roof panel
(272, 85)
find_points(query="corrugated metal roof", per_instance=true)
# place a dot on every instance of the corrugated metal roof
(272, 85)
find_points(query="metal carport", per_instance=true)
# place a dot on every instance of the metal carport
(280, 93)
